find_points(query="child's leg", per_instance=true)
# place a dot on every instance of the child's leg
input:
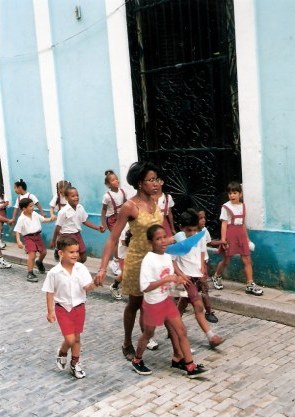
(248, 271)
(177, 327)
(182, 304)
(214, 340)
(173, 336)
(31, 261)
(133, 305)
(148, 332)
(222, 265)
(42, 255)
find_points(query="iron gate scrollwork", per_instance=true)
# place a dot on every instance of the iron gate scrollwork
(184, 84)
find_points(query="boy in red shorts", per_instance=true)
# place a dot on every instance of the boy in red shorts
(29, 225)
(66, 285)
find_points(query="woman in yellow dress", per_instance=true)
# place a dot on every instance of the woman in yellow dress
(140, 212)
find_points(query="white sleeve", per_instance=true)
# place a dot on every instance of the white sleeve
(53, 201)
(224, 215)
(33, 198)
(18, 227)
(145, 273)
(61, 216)
(84, 215)
(16, 205)
(84, 277)
(106, 199)
(207, 236)
(170, 201)
(48, 285)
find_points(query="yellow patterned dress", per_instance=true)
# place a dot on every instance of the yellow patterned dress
(139, 246)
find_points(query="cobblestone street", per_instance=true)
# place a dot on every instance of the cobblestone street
(252, 374)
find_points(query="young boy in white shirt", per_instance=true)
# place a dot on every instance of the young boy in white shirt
(192, 266)
(66, 285)
(29, 225)
(69, 222)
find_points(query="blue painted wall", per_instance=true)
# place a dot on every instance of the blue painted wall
(21, 96)
(85, 97)
(273, 260)
(276, 44)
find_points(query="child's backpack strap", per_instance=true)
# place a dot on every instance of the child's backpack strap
(124, 195)
(230, 212)
(166, 208)
(113, 203)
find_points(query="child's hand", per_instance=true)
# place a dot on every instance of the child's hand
(102, 229)
(183, 279)
(53, 217)
(10, 221)
(52, 244)
(51, 317)
(20, 245)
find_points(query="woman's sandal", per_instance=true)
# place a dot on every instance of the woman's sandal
(128, 352)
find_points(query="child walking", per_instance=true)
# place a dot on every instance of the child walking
(57, 202)
(111, 204)
(59, 199)
(20, 187)
(192, 267)
(234, 238)
(65, 279)
(156, 277)
(29, 225)
(165, 203)
(69, 221)
(3, 263)
(3, 204)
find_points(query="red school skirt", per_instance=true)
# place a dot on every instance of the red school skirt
(237, 241)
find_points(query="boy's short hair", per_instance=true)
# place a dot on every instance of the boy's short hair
(24, 203)
(68, 189)
(152, 230)
(189, 218)
(65, 241)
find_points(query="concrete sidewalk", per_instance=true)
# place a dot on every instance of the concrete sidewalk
(275, 305)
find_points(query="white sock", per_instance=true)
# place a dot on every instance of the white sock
(210, 334)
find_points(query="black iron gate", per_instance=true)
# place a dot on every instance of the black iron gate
(185, 96)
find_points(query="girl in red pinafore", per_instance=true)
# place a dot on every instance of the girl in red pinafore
(234, 238)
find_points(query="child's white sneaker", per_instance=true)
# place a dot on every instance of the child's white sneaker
(61, 361)
(4, 264)
(253, 289)
(2, 244)
(216, 280)
(77, 371)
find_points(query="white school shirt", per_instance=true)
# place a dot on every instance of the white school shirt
(71, 220)
(122, 249)
(62, 201)
(26, 195)
(190, 264)
(67, 288)
(153, 268)
(118, 199)
(237, 209)
(162, 202)
(207, 239)
(26, 224)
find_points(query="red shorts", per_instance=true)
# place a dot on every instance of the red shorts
(70, 322)
(156, 314)
(79, 239)
(34, 243)
(192, 290)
